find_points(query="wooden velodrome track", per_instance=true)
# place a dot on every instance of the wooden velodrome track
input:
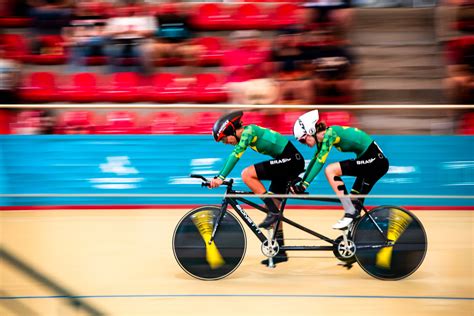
(120, 262)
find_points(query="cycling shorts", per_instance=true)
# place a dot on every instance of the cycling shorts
(372, 165)
(286, 167)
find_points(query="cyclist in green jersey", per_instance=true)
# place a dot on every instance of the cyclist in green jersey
(286, 163)
(368, 167)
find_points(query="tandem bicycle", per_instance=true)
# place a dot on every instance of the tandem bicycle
(209, 242)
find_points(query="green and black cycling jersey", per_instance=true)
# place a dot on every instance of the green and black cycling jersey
(345, 139)
(262, 140)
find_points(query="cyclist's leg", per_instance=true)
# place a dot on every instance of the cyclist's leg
(333, 174)
(252, 180)
(278, 186)
(364, 184)
(368, 169)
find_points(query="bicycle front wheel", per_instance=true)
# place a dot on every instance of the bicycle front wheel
(204, 260)
(394, 246)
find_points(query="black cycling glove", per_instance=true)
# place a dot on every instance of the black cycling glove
(298, 188)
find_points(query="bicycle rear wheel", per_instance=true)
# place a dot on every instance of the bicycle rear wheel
(393, 261)
(207, 261)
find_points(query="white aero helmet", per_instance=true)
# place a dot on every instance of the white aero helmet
(306, 124)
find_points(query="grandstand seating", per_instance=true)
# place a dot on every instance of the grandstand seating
(15, 46)
(167, 88)
(76, 122)
(466, 126)
(170, 87)
(202, 122)
(255, 117)
(120, 122)
(455, 48)
(82, 87)
(283, 122)
(214, 48)
(51, 51)
(95, 60)
(15, 21)
(283, 15)
(9, 18)
(40, 87)
(212, 17)
(124, 87)
(342, 99)
(207, 88)
(165, 122)
(343, 118)
(249, 16)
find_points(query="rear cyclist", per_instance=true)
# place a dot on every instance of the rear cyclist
(368, 167)
(286, 163)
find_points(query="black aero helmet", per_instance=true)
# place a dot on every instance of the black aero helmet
(226, 125)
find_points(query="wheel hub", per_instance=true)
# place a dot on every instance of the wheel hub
(270, 248)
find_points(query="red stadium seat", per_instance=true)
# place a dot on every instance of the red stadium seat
(284, 15)
(456, 47)
(76, 122)
(166, 122)
(125, 87)
(120, 122)
(202, 122)
(249, 16)
(167, 88)
(255, 117)
(15, 21)
(212, 17)
(10, 18)
(343, 118)
(126, 10)
(83, 88)
(466, 126)
(6, 117)
(40, 87)
(95, 60)
(208, 88)
(284, 122)
(52, 51)
(213, 50)
(343, 99)
(14, 46)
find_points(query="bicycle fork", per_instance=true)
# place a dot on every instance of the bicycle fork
(218, 220)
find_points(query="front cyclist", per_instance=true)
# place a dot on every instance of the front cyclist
(368, 167)
(286, 163)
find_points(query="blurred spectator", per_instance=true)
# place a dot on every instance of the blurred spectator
(333, 65)
(13, 8)
(32, 122)
(9, 80)
(129, 35)
(174, 34)
(333, 13)
(465, 16)
(49, 16)
(245, 67)
(293, 78)
(85, 35)
(460, 81)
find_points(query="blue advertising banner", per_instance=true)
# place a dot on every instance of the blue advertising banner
(161, 164)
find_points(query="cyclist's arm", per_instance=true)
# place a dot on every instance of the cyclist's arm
(319, 158)
(234, 157)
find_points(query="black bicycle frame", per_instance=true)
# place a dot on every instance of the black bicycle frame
(254, 228)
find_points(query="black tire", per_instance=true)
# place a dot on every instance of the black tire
(337, 253)
(390, 262)
(189, 247)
